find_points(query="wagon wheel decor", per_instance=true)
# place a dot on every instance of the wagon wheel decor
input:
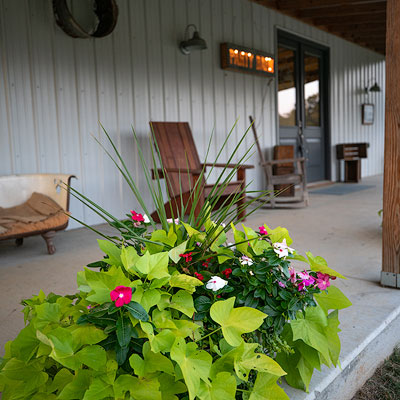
(106, 12)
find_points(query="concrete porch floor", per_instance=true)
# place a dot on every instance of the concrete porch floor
(345, 230)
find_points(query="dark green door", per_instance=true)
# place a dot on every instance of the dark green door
(302, 101)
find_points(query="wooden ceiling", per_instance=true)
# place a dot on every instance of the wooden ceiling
(359, 21)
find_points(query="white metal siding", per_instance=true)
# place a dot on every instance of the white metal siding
(54, 90)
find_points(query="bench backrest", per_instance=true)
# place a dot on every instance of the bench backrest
(16, 189)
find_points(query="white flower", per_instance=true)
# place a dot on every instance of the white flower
(246, 260)
(282, 249)
(251, 273)
(173, 221)
(146, 219)
(216, 283)
(223, 225)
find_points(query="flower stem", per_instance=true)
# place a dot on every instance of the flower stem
(209, 334)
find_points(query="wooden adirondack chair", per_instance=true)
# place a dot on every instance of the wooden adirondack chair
(276, 178)
(182, 168)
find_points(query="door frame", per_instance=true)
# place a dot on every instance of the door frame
(325, 86)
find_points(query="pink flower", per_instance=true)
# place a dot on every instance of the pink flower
(322, 284)
(306, 278)
(121, 295)
(89, 307)
(281, 284)
(323, 280)
(137, 217)
(199, 276)
(262, 230)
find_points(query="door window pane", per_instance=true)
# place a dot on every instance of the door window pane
(286, 87)
(311, 90)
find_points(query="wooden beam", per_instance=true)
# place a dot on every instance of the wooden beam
(356, 10)
(391, 183)
(303, 4)
(368, 18)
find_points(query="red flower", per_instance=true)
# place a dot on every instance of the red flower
(121, 295)
(137, 217)
(227, 272)
(199, 276)
(187, 257)
(262, 230)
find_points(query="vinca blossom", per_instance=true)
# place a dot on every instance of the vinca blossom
(216, 283)
(307, 280)
(138, 219)
(244, 260)
(121, 295)
(282, 249)
(323, 280)
(262, 230)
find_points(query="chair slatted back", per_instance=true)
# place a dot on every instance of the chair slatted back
(178, 150)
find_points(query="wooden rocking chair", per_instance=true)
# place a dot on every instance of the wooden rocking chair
(182, 168)
(274, 178)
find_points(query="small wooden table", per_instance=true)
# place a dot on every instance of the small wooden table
(352, 153)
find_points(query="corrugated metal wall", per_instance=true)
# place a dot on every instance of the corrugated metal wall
(54, 90)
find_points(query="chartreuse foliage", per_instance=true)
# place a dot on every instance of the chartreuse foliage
(83, 347)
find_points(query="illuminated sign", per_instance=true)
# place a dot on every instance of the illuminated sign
(239, 58)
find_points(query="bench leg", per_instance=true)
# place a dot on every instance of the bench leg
(48, 237)
(19, 242)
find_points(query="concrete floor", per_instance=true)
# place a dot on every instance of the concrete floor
(345, 230)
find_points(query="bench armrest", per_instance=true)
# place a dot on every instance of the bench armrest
(283, 161)
(242, 166)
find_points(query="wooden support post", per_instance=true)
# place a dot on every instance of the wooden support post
(391, 184)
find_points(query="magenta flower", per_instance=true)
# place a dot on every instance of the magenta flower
(301, 286)
(137, 217)
(281, 284)
(262, 230)
(121, 295)
(323, 281)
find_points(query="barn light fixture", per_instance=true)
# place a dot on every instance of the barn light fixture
(374, 88)
(195, 43)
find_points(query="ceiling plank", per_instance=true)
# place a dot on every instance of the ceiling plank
(303, 4)
(369, 18)
(342, 11)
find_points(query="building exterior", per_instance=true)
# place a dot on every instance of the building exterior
(55, 90)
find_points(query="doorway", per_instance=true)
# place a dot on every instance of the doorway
(302, 94)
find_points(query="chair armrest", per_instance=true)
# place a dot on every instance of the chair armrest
(242, 166)
(161, 171)
(283, 161)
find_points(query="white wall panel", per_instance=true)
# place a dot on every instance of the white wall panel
(54, 90)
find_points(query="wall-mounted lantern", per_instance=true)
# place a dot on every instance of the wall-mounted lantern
(195, 43)
(374, 88)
